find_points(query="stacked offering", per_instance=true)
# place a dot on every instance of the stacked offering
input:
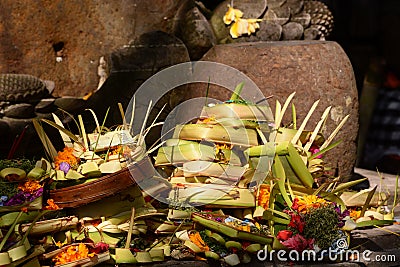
(206, 162)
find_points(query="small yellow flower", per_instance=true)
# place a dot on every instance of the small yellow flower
(239, 28)
(355, 214)
(232, 15)
(252, 25)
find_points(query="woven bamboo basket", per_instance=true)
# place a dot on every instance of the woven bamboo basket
(105, 186)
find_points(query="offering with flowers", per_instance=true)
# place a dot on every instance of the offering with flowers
(315, 223)
(21, 184)
(89, 165)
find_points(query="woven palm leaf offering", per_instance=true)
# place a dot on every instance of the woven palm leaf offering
(21, 185)
(94, 165)
(205, 160)
(16, 247)
(212, 182)
(250, 184)
(91, 178)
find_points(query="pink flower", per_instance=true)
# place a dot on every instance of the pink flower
(284, 235)
(314, 150)
(299, 243)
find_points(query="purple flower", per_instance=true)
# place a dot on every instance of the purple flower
(341, 215)
(64, 166)
(22, 197)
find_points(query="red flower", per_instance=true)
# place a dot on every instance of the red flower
(284, 235)
(299, 243)
(295, 204)
(296, 223)
(100, 248)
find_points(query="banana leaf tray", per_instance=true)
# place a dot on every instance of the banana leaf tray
(105, 186)
(210, 223)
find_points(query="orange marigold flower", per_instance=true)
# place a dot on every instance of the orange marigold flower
(30, 186)
(263, 196)
(73, 253)
(197, 240)
(117, 150)
(66, 156)
(51, 205)
(305, 203)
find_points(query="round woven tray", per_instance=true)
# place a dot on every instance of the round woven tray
(78, 195)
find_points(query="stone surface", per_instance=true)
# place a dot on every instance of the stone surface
(62, 41)
(314, 70)
(292, 31)
(196, 33)
(45, 105)
(131, 66)
(20, 111)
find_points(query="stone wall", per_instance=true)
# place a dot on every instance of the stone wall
(63, 41)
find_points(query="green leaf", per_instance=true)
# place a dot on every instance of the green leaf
(279, 173)
(374, 223)
(343, 186)
(236, 94)
(299, 167)
(268, 215)
(322, 151)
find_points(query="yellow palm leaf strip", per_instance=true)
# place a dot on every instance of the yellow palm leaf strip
(82, 126)
(386, 230)
(278, 117)
(64, 136)
(284, 108)
(155, 123)
(144, 123)
(133, 113)
(317, 128)
(95, 120)
(334, 133)
(343, 186)
(367, 201)
(67, 132)
(304, 123)
(294, 120)
(121, 110)
(131, 223)
(262, 136)
(238, 90)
